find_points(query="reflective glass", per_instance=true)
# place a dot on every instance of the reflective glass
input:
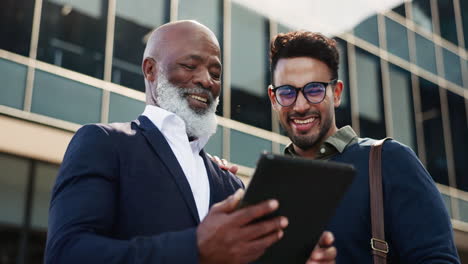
(463, 205)
(397, 39)
(436, 160)
(13, 185)
(134, 21)
(421, 12)
(452, 67)
(447, 202)
(45, 175)
(13, 78)
(283, 29)
(368, 30)
(425, 54)
(73, 35)
(65, 99)
(400, 10)
(246, 148)
(249, 69)
(215, 144)
(123, 108)
(207, 12)
(370, 100)
(448, 27)
(16, 25)
(402, 106)
(464, 13)
(343, 112)
(459, 130)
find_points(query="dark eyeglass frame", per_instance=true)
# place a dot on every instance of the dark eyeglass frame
(325, 84)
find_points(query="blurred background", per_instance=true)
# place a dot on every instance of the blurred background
(64, 63)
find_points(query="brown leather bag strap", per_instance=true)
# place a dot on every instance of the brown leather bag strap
(378, 244)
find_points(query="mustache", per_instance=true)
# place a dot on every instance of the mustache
(198, 90)
(299, 115)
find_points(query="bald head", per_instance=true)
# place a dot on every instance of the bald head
(164, 37)
(186, 53)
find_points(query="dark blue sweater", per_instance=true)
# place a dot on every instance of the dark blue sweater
(417, 225)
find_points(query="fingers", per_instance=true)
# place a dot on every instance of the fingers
(233, 169)
(326, 240)
(250, 213)
(324, 251)
(258, 247)
(257, 230)
(230, 203)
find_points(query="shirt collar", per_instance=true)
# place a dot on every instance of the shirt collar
(336, 143)
(167, 121)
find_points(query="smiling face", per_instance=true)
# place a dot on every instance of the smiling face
(308, 125)
(188, 55)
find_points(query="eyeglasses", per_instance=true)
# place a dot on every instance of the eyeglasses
(314, 92)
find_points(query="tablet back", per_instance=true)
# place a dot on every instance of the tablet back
(308, 192)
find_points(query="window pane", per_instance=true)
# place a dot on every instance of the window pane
(343, 112)
(425, 54)
(283, 29)
(447, 202)
(16, 25)
(13, 78)
(215, 145)
(448, 28)
(207, 12)
(436, 161)
(452, 67)
(45, 175)
(400, 10)
(249, 74)
(13, 181)
(134, 21)
(422, 14)
(124, 109)
(73, 34)
(397, 39)
(368, 30)
(459, 129)
(246, 149)
(463, 205)
(371, 111)
(65, 99)
(402, 106)
(464, 13)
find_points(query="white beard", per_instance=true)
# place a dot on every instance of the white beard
(198, 123)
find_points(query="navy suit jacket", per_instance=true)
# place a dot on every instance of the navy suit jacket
(122, 197)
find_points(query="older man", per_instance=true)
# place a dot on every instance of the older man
(140, 192)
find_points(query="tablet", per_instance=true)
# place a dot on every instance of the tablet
(308, 192)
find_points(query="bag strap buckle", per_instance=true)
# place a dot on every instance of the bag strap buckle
(381, 249)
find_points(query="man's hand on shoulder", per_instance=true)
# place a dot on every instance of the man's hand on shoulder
(227, 235)
(224, 164)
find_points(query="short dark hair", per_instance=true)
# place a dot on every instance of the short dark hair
(304, 44)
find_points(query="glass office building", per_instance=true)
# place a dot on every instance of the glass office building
(65, 63)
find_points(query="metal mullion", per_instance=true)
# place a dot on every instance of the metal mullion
(417, 109)
(174, 13)
(32, 55)
(24, 241)
(353, 93)
(275, 125)
(227, 17)
(110, 32)
(459, 23)
(384, 69)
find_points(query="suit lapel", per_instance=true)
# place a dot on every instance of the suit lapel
(164, 151)
(217, 192)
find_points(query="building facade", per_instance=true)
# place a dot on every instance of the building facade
(65, 63)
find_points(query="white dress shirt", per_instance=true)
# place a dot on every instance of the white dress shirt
(187, 153)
